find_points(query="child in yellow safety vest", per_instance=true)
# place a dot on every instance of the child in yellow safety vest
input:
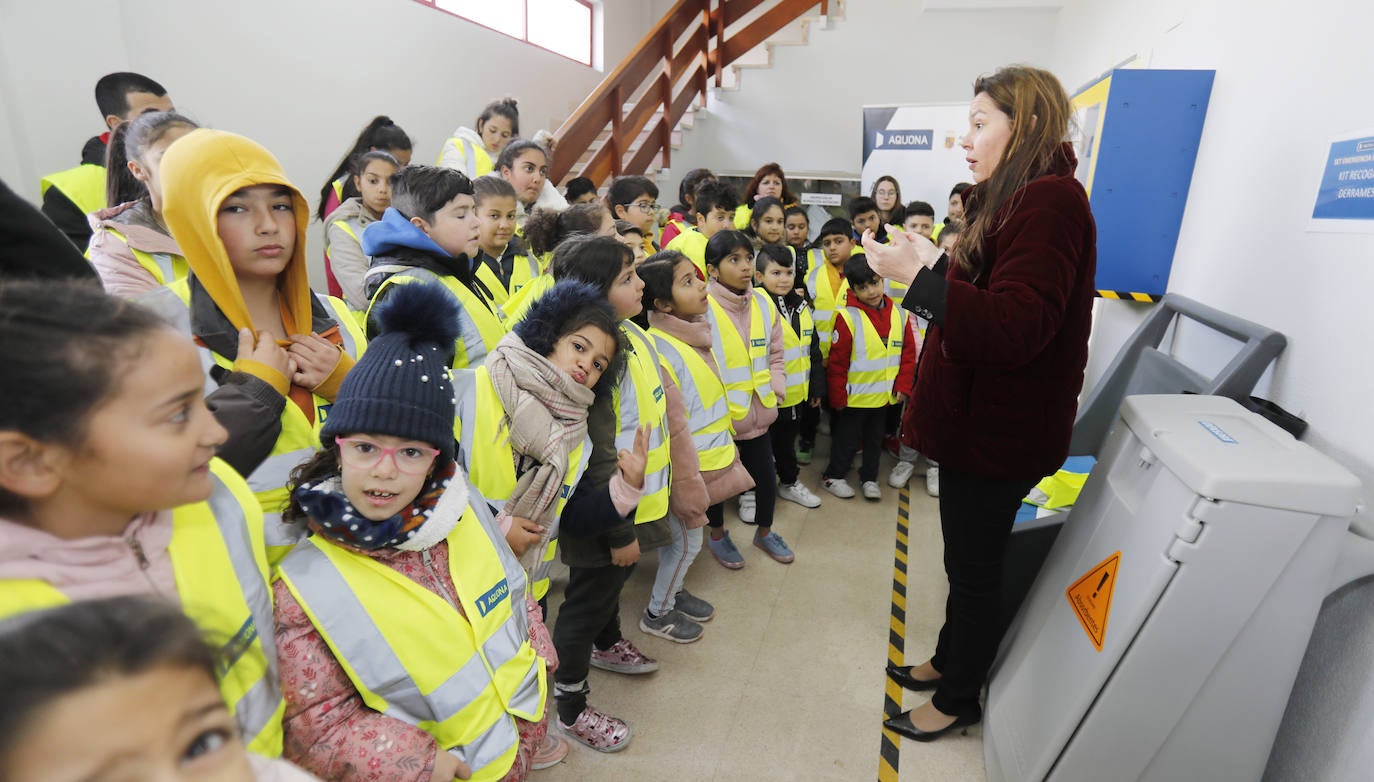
(130, 247)
(682, 216)
(544, 230)
(405, 615)
(604, 529)
(343, 227)
(110, 486)
(430, 234)
(502, 262)
(872, 366)
(136, 679)
(747, 343)
(773, 272)
(714, 207)
(676, 301)
(273, 352)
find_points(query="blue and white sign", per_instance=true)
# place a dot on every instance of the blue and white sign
(902, 139)
(1345, 198)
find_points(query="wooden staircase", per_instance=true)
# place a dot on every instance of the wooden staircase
(635, 118)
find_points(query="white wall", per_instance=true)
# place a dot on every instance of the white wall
(301, 77)
(1284, 83)
(805, 111)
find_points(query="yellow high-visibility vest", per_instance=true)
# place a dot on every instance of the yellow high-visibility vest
(513, 311)
(299, 437)
(486, 455)
(874, 363)
(461, 677)
(825, 299)
(476, 160)
(796, 349)
(166, 268)
(743, 358)
(525, 269)
(639, 399)
(480, 328)
(708, 412)
(219, 563)
(83, 185)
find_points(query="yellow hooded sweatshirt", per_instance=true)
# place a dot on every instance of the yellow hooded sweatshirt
(199, 172)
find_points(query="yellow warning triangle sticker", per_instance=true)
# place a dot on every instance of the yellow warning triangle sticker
(1090, 597)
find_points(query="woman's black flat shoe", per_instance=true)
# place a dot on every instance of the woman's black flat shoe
(902, 724)
(902, 675)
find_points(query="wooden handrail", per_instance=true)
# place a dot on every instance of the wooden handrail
(707, 48)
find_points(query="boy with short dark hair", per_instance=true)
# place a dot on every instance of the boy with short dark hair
(872, 366)
(863, 215)
(430, 233)
(634, 199)
(713, 208)
(68, 196)
(920, 218)
(774, 272)
(825, 282)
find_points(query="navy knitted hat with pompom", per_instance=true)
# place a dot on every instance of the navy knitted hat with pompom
(402, 386)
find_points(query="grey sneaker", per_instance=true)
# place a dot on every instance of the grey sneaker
(839, 487)
(774, 547)
(693, 607)
(872, 491)
(673, 626)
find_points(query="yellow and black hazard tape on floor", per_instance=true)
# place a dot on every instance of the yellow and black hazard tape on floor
(1128, 296)
(888, 752)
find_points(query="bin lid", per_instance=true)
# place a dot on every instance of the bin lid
(1224, 452)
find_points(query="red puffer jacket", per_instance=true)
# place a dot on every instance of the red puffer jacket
(998, 380)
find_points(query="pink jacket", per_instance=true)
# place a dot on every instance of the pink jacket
(330, 731)
(94, 567)
(120, 272)
(720, 484)
(737, 306)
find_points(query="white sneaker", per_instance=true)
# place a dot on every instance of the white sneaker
(796, 492)
(839, 487)
(872, 491)
(933, 480)
(747, 504)
(900, 475)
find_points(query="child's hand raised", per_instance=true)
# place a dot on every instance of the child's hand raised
(632, 463)
(263, 349)
(522, 534)
(315, 358)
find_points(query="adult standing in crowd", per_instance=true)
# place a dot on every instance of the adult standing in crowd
(997, 384)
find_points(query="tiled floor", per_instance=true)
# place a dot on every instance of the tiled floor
(787, 682)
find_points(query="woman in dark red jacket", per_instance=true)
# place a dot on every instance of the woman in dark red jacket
(998, 379)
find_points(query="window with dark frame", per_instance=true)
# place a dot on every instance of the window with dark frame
(563, 27)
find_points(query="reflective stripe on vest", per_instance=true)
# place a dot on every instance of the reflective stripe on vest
(83, 185)
(643, 384)
(461, 677)
(824, 301)
(874, 362)
(220, 570)
(743, 359)
(299, 437)
(479, 327)
(708, 414)
(796, 350)
(486, 455)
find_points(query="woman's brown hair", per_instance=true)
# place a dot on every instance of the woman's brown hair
(788, 197)
(1038, 108)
